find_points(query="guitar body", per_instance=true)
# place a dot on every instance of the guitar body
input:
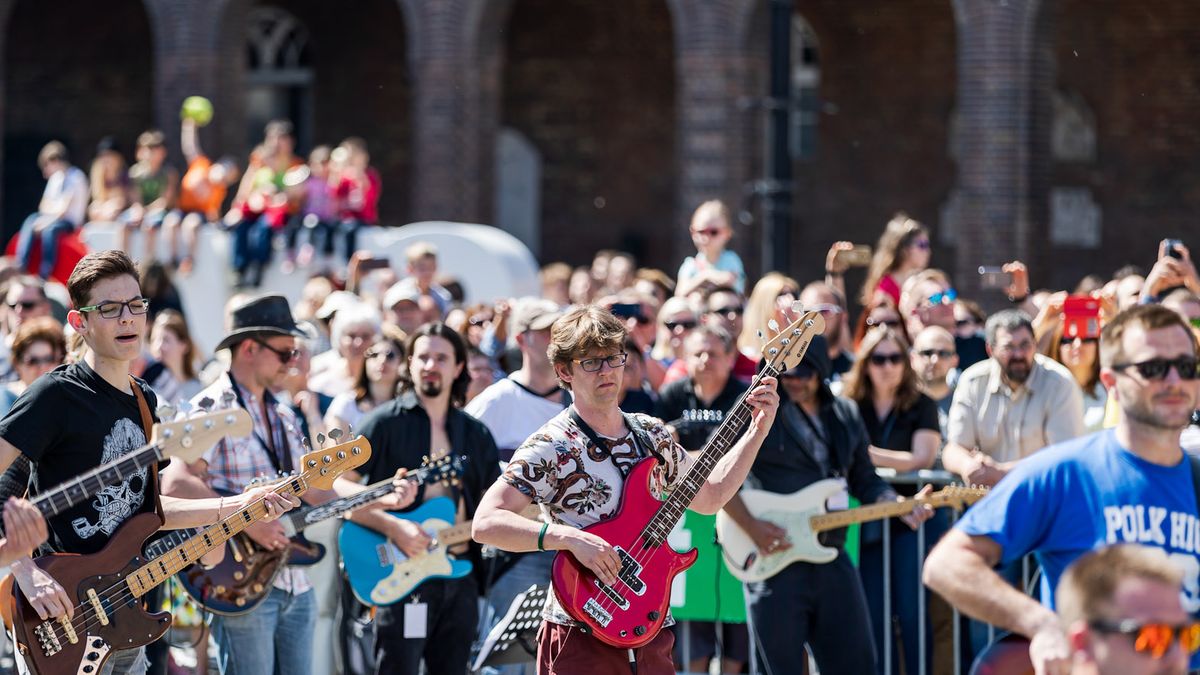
(632, 612)
(1008, 655)
(380, 574)
(302, 552)
(792, 512)
(47, 646)
(240, 582)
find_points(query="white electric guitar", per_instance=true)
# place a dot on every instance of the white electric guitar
(803, 515)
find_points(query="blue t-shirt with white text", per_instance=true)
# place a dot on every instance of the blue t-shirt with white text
(1077, 496)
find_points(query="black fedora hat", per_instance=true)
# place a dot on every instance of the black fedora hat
(268, 314)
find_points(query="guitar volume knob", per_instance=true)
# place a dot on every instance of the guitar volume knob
(653, 616)
(639, 630)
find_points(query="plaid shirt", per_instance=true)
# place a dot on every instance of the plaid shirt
(235, 461)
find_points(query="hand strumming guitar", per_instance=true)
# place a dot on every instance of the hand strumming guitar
(24, 530)
(408, 537)
(45, 595)
(768, 537)
(593, 553)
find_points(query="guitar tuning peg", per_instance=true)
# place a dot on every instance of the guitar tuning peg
(773, 325)
(307, 446)
(321, 439)
(350, 429)
(335, 434)
(205, 403)
(797, 307)
(227, 399)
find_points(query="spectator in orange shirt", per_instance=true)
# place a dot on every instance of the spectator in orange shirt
(201, 195)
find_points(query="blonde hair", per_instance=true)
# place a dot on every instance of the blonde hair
(1088, 585)
(760, 308)
(900, 231)
(421, 249)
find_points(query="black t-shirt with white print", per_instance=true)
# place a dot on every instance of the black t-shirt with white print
(68, 422)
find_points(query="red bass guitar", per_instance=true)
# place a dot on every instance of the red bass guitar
(629, 613)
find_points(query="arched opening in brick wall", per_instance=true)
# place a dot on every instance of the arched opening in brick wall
(880, 117)
(66, 80)
(339, 68)
(1121, 142)
(591, 87)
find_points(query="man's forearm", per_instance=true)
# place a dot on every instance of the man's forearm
(956, 458)
(729, 474)
(968, 583)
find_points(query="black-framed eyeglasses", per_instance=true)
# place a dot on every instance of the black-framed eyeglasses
(25, 305)
(681, 325)
(594, 365)
(111, 309)
(940, 353)
(1153, 638)
(1157, 369)
(285, 355)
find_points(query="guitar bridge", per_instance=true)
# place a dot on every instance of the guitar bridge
(594, 610)
(47, 638)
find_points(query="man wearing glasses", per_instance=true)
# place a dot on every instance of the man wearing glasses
(277, 634)
(820, 297)
(575, 467)
(1120, 607)
(933, 357)
(928, 300)
(1010, 406)
(1129, 484)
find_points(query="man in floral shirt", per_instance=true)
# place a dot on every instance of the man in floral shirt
(575, 466)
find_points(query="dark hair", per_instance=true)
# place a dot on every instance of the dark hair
(858, 385)
(173, 321)
(279, 127)
(94, 268)
(458, 388)
(1010, 320)
(1128, 271)
(362, 386)
(41, 329)
(715, 332)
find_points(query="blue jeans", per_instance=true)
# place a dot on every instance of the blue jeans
(251, 245)
(275, 637)
(49, 237)
(532, 569)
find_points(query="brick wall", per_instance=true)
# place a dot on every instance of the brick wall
(887, 84)
(592, 86)
(66, 80)
(1136, 67)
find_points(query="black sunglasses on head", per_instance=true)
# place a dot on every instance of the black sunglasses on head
(1157, 369)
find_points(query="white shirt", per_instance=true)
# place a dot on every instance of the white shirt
(512, 413)
(70, 186)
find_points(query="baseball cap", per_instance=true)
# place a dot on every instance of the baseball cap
(335, 301)
(534, 314)
(399, 292)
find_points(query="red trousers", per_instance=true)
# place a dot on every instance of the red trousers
(563, 650)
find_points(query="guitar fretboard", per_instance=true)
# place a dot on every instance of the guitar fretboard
(685, 490)
(84, 486)
(863, 514)
(155, 572)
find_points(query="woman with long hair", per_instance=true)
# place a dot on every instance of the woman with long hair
(881, 312)
(109, 182)
(38, 347)
(902, 251)
(377, 383)
(902, 424)
(771, 298)
(172, 375)
(1081, 356)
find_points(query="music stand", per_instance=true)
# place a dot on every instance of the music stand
(514, 639)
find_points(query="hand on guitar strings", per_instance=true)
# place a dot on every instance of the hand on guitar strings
(409, 537)
(405, 491)
(24, 530)
(764, 402)
(768, 537)
(268, 533)
(44, 594)
(595, 554)
(922, 512)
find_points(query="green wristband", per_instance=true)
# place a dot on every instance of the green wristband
(542, 537)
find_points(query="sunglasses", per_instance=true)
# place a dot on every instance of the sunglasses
(884, 359)
(1153, 639)
(730, 313)
(1157, 369)
(112, 309)
(922, 244)
(285, 355)
(25, 304)
(680, 325)
(945, 297)
(41, 360)
(594, 365)
(480, 320)
(940, 353)
(387, 356)
(708, 232)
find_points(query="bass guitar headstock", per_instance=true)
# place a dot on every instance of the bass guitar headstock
(188, 438)
(320, 467)
(785, 348)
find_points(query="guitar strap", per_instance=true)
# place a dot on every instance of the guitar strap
(641, 438)
(1195, 477)
(148, 428)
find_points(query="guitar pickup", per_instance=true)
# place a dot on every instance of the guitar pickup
(385, 557)
(630, 569)
(594, 610)
(69, 629)
(612, 594)
(94, 600)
